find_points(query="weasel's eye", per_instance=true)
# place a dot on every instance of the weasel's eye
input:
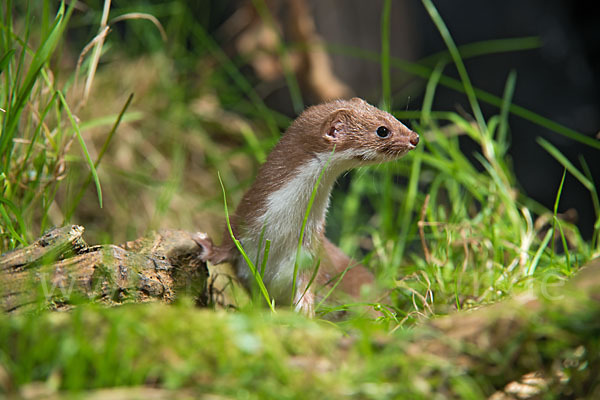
(383, 132)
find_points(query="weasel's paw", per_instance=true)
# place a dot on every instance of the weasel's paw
(206, 245)
(306, 304)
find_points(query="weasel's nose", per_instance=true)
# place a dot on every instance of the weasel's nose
(414, 138)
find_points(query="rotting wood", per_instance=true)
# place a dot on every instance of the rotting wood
(60, 266)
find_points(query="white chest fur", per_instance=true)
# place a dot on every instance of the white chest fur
(282, 221)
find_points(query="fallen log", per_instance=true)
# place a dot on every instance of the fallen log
(59, 267)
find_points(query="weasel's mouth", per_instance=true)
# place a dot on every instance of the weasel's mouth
(367, 155)
(390, 152)
(382, 156)
(396, 154)
(397, 151)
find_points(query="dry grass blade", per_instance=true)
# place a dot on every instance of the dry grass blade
(97, 42)
(96, 54)
(100, 36)
(137, 15)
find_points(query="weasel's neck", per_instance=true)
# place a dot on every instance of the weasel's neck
(285, 207)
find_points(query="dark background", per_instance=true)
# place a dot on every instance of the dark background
(560, 80)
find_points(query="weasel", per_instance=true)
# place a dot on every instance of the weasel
(329, 138)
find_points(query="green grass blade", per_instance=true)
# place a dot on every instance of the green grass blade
(563, 240)
(311, 280)
(555, 222)
(263, 265)
(595, 202)
(351, 211)
(509, 90)
(8, 222)
(7, 25)
(254, 143)
(103, 150)
(333, 287)
(485, 47)
(432, 84)
(238, 245)
(6, 59)
(405, 219)
(36, 134)
(558, 156)
(460, 66)
(538, 253)
(132, 116)
(260, 246)
(541, 121)
(41, 56)
(590, 177)
(559, 193)
(86, 153)
(556, 201)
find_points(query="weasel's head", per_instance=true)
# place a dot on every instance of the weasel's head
(363, 133)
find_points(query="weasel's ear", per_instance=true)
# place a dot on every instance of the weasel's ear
(337, 123)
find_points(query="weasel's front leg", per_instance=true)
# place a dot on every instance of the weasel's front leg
(304, 300)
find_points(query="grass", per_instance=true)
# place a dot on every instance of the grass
(187, 352)
(256, 273)
(443, 230)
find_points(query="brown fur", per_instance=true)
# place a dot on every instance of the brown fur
(345, 124)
